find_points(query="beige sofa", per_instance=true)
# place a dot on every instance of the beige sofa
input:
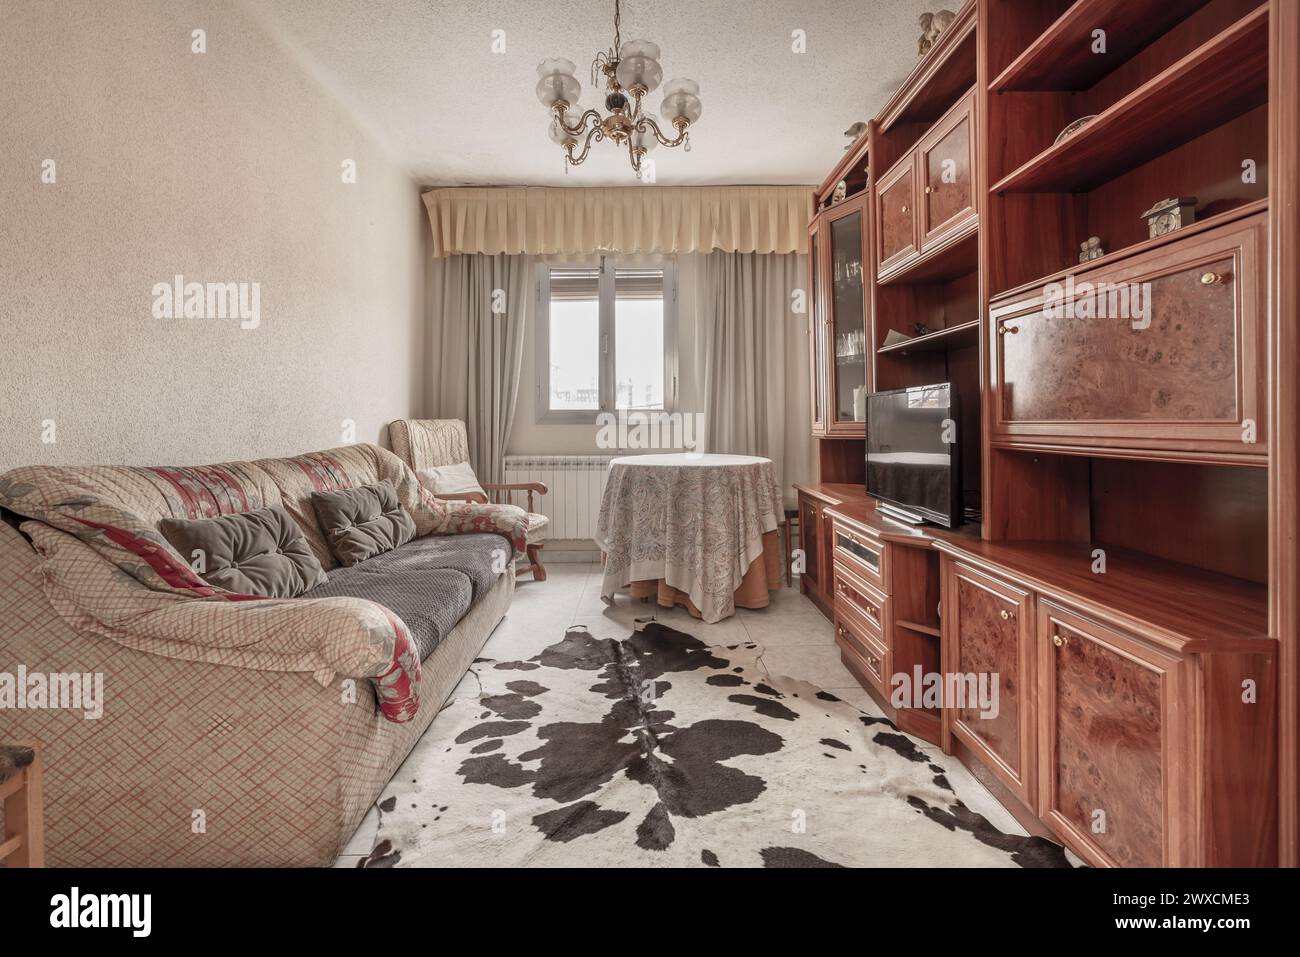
(232, 733)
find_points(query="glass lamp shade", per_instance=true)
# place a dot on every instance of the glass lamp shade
(638, 65)
(557, 82)
(561, 136)
(681, 99)
(639, 70)
(556, 64)
(644, 140)
(639, 48)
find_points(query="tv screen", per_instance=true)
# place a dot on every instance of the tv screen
(912, 451)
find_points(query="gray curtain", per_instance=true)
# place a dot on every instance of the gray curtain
(752, 360)
(478, 352)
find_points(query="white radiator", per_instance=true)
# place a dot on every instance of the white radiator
(576, 484)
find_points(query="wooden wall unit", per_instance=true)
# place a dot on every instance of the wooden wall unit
(1284, 465)
(1138, 479)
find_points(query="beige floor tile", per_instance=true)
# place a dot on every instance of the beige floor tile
(859, 698)
(363, 840)
(817, 664)
(791, 619)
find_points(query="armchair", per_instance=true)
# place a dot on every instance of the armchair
(436, 443)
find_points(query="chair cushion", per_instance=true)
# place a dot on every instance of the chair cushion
(537, 526)
(458, 479)
(430, 583)
(262, 552)
(360, 523)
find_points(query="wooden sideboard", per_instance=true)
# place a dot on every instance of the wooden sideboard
(1134, 718)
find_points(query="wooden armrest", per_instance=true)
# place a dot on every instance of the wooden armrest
(474, 497)
(507, 487)
(538, 487)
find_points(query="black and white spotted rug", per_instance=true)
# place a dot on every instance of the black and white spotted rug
(663, 751)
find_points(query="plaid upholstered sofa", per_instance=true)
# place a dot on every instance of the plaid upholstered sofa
(234, 731)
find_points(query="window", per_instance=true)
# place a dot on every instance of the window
(605, 340)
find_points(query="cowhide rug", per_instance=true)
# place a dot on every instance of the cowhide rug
(663, 751)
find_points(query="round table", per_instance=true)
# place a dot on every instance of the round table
(698, 529)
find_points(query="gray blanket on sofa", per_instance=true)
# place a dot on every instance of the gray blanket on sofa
(429, 582)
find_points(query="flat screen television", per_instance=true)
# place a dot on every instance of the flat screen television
(912, 448)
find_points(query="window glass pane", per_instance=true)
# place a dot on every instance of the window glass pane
(574, 354)
(639, 338)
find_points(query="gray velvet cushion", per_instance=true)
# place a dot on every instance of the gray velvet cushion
(362, 522)
(261, 552)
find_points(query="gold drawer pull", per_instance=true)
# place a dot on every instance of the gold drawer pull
(1212, 278)
(904, 208)
(929, 189)
(849, 592)
(1006, 327)
(1059, 641)
(1007, 615)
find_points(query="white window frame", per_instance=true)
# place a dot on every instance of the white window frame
(608, 341)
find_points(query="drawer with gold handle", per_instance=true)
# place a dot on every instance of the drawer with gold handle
(872, 657)
(864, 555)
(860, 600)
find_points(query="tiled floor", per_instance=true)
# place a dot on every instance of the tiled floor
(797, 640)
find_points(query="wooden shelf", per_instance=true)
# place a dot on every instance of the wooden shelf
(860, 509)
(1061, 59)
(964, 333)
(855, 157)
(1180, 607)
(931, 630)
(834, 493)
(958, 256)
(1214, 83)
(940, 77)
(1035, 286)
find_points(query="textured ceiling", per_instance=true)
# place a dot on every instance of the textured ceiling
(420, 76)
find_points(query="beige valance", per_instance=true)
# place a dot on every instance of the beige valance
(627, 219)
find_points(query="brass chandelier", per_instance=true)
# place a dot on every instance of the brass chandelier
(631, 72)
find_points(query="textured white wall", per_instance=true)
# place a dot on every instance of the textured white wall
(220, 166)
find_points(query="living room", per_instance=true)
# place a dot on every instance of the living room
(649, 434)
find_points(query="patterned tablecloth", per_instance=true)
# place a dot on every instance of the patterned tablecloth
(695, 521)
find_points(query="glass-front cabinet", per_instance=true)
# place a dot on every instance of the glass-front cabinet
(844, 248)
(816, 331)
